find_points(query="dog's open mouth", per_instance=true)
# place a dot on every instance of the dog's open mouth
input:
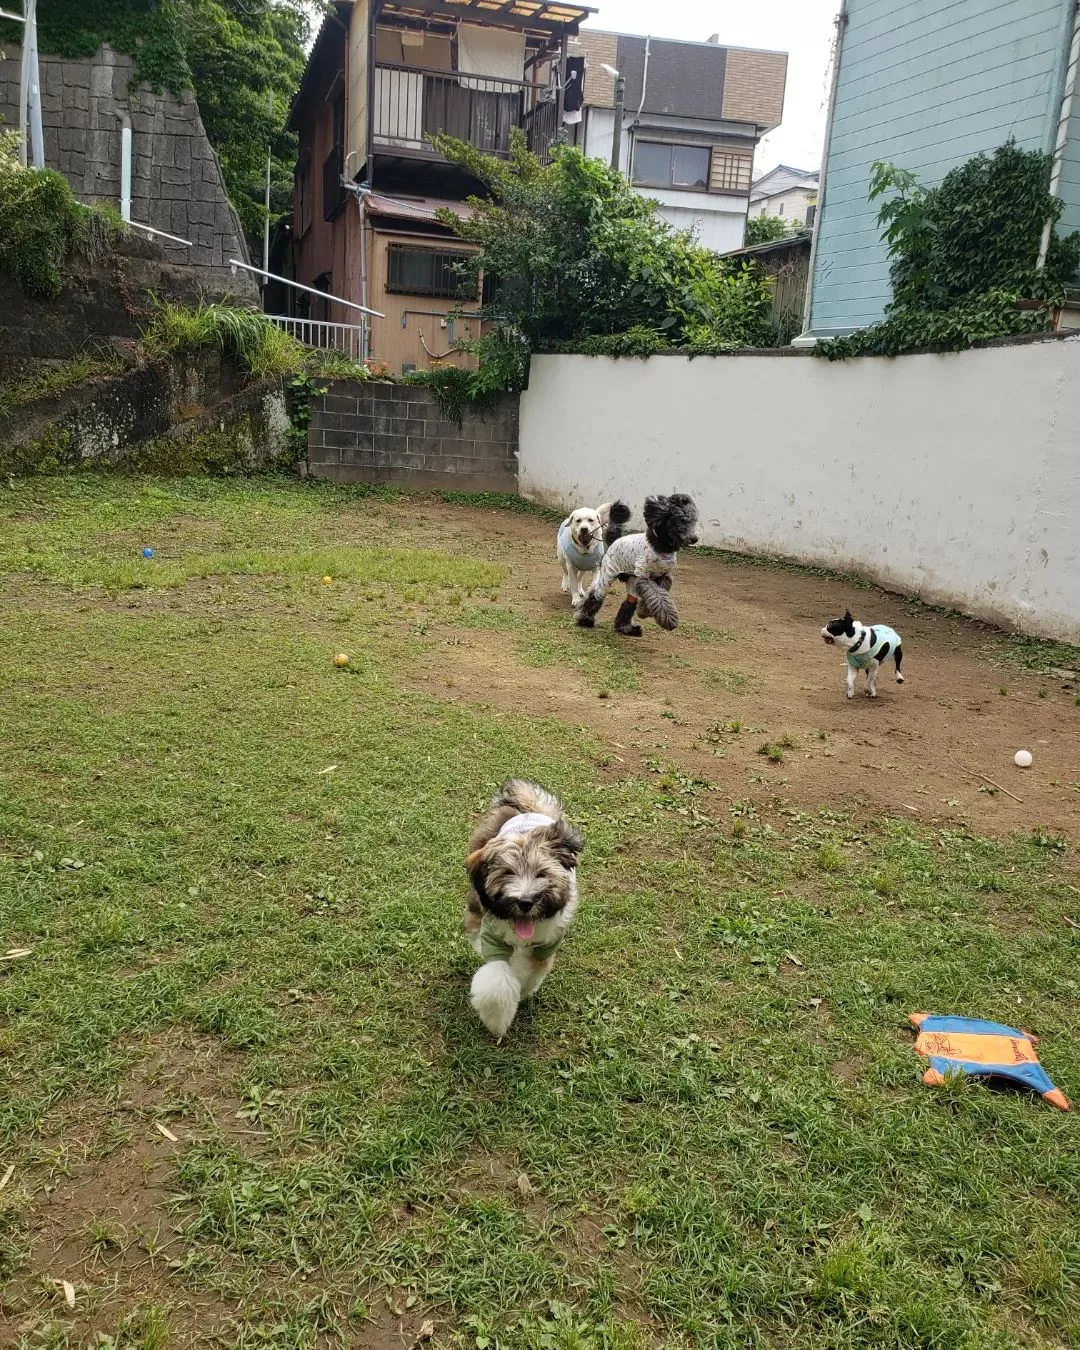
(524, 928)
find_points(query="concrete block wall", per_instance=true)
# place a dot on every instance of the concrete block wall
(176, 183)
(398, 434)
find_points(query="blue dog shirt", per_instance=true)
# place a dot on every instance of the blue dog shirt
(878, 639)
(584, 562)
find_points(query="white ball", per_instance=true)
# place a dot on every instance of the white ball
(1022, 758)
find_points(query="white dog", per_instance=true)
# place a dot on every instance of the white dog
(584, 536)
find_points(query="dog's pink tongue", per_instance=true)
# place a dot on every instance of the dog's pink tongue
(524, 928)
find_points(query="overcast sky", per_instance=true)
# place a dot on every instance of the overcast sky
(803, 28)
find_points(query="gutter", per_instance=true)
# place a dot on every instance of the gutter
(1061, 142)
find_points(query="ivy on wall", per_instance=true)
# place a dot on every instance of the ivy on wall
(965, 255)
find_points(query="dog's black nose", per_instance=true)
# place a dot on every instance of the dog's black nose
(525, 904)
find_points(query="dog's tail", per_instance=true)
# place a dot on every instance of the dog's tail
(613, 516)
(524, 795)
(654, 602)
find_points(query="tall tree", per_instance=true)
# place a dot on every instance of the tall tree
(234, 54)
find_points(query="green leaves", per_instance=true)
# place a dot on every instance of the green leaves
(578, 261)
(766, 229)
(964, 253)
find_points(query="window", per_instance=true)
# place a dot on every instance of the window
(731, 171)
(657, 165)
(429, 271)
(811, 212)
(780, 209)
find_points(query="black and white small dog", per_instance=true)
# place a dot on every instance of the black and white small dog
(645, 562)
(583, 538)
(867, 649)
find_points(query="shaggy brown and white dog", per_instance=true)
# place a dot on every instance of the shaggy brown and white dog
(522, 863)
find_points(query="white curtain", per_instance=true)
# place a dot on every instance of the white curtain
(496, 52)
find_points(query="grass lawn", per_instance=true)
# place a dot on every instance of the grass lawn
(237, 872)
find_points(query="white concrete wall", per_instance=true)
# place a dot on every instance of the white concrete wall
(955, 478)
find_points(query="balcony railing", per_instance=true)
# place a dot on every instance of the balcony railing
(413, 105)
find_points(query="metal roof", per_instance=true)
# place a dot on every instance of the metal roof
(413, 208)
(789, 242)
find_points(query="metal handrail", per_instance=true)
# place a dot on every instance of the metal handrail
(323, 295)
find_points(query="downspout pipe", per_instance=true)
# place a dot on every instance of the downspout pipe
(1067, 97)
(30, 39)
(125, 166)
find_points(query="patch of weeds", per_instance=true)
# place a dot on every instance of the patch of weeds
(494, 618)
(773, 753)
(602, 657)
(829, 858)
(701, 632)
(246, 336)
(502, 501)
(1035, 653)
(730, 681)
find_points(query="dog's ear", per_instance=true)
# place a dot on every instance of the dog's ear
(566, 843)
(474, 865)
(653, 509)
(847, 616)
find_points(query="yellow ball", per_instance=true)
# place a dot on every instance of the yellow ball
(326, 581)
(341, 659)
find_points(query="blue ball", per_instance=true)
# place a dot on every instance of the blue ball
(148, 552)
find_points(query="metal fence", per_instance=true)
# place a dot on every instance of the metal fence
(348, 338)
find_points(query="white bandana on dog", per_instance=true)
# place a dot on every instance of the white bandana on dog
(526, 823)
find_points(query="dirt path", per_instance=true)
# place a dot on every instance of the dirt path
(749, 653)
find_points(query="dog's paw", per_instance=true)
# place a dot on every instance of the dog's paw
(851, 693)
(871, 693)
(631, 630)
(585, 621)
(899, 679)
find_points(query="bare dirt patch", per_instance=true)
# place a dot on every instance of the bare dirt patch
(101, 1217)
(749, 653)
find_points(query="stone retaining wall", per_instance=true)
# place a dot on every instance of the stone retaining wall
(176, 178)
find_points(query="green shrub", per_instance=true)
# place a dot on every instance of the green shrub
(40, 224)
(246, 336)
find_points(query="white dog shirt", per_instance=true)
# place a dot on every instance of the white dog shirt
(585, 560)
